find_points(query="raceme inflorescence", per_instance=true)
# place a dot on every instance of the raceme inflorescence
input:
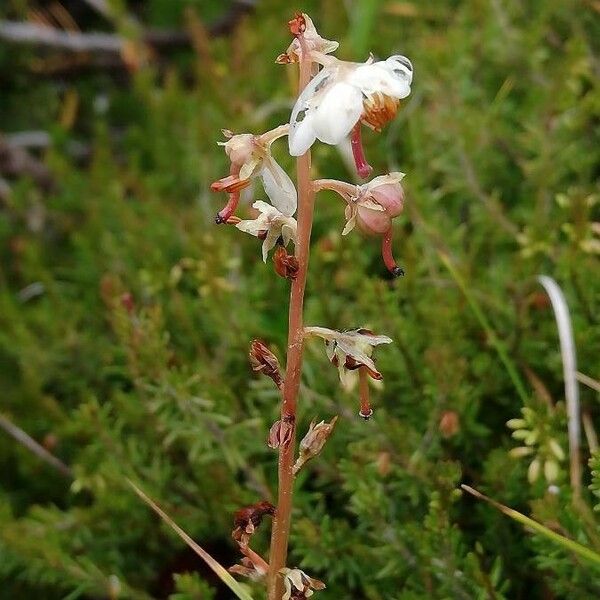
(335, 99)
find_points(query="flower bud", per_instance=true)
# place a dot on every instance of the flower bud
(520, 451)
(280, 434)
(551, 470)
(533, 471)
(377, 219)
(312, 443)
(556, 449)
(264, 361)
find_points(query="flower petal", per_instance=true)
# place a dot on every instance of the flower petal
(247, 169)
(279, 187)
(302, 137)
(270, 242)
(338, 112)
(350, 223)
(382, 76)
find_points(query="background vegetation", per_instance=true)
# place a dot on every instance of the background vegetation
(126, 314)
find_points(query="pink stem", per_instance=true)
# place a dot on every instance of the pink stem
(363, 168)
(281, 524)
(388, 257)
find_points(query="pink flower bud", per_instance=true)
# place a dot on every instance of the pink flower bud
(382, 203)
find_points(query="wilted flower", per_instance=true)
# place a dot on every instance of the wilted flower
(264, 361)
(247, 519)
(344, 93)
(248, 568)
(250, 157)
(298, 584)
(350, 350)
(280, 434)
(316, 45)
(252, 565)
(314, 440)
(271, 224)
(286, 265)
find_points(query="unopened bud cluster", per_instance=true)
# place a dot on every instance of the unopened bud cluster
(534, 430)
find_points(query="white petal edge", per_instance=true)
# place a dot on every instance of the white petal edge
(279, 187)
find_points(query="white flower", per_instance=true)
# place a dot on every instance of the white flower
(271, 223)
(250, 157)
(298, 584)
(349, 350)
(344, 92)
(314, 43)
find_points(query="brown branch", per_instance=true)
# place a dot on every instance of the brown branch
(29, 443)
(39, 35)
(109, 43)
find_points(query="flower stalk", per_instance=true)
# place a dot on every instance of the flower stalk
(281, 525)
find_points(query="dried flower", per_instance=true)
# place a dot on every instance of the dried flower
(298, 584)
(247, 519)
(314, 440)
(252, 565)
(344, 93)
(349, 350)
(270, 225)
(250, 157)
(247, 568)
(312, 41)
(286, 265)
(280, 434)
(264, 361)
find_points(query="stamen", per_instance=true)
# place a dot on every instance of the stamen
(366, 412)
(363, 168)
(388, 258)
(379, 109)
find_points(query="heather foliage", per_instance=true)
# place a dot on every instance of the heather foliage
(126, 314)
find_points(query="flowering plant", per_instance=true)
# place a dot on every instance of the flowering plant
(335, 99)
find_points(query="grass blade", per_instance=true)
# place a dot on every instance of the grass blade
(569, 359)
(219, 569)
(563, 541)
